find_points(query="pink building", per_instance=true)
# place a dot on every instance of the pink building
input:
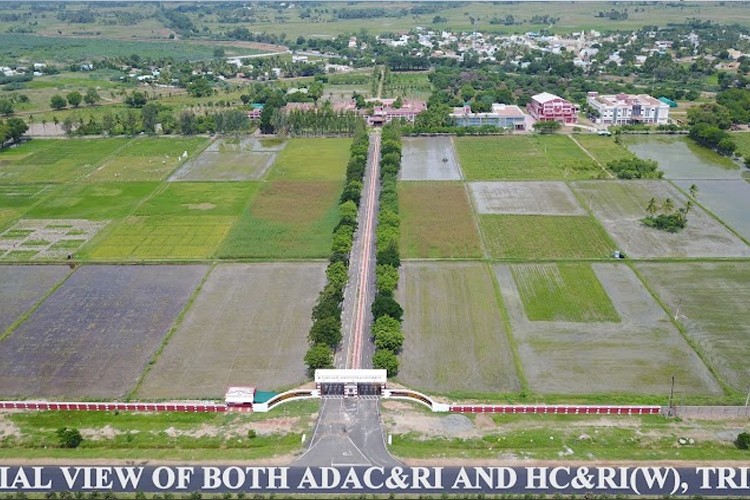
(548, 107)
(385, 112)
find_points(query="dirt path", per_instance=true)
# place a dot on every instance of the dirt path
(592, 157)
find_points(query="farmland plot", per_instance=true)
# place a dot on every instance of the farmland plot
(544, 237)
(562, 292)
(199, 198)
(455, 339)
(437, 221)
(93, 201)
(22, 286)
(524, 158)
(639, 355)
(727, 199)
(93, 336)
(229, 160)
(147, 159)
(604, 149)
(710, 300)
(248, 326)
(620, 206)
(15, 199)
(55, 160)
(681, 158)
(312, 160)
(429, 159)
(525, 198)
(43, 239)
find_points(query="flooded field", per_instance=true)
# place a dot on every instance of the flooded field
(681, 158)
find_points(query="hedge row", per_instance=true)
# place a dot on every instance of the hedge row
(325, 333)
(386, 311)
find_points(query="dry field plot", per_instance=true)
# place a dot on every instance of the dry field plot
(429, 159)
(525, 198)
(620, 206)
(455, 337)
(437, 221)
(94, 335)
(42, 239)
(230, 160)
(544, 237)
(713, 299)
(637, 355)
(22, 286)
(248, 326)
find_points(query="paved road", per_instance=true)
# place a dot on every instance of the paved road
(356, 316)
(348, 431)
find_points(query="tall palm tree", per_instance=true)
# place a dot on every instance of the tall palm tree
(652, 207)
(693, 190)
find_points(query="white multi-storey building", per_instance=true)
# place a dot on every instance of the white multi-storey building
(623, 109)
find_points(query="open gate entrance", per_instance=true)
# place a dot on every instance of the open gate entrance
(350, 383)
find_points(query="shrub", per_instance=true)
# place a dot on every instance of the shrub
(671, 223)
(743, 440)
(318, 356)
(69, 437)
(385, 360)
(251, 434)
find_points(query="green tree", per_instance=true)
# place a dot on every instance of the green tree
(668, 206)
(91, 97)
(326, 331)
(136, 100)
(200, 87)
(318, 356)
(391, 340)
(743, 441)
(57, 102)
(69, 437)
(149, 115)
(385, 305)
(385, 360)
(547, 127)
(6, 107)
(386, 278)
(16, 128)
(348, 213)
(337, 274)
(385, 324)
(74, 98)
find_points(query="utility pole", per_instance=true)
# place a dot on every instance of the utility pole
(671, 398)
(747, 399)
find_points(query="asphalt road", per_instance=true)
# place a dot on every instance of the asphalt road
(348, 431)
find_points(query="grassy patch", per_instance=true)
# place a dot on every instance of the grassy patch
(524, 158)
(56, 160)
(742, 139)
(287, 220)
(146, 159)
(544, 237)
(604, 149)
(95, 202)
(161, 237)
(199, 198)
(312, 160)
(562, 292)
(437, 221)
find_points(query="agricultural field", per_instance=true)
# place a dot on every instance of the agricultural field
(621, 205)
(15, 199)
(544, 237)
(229, 160)
(710, 302)
(429, 159)
(562, 292)
(681, 158)
(604, 149)
(728, 199)
(112, 200)
(742, 139)
(23, 286)
(286, 220)
(409, 85)
(456, 339)
(55, 161)
(160, 237)
(199, 198)
(311, 160)
(147, 159)
(437, 221)
(552, 157)
(637, 355)
(104, 323)
(525, 198)
(247, 326)
(46, 239)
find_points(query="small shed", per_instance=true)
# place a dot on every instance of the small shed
(240, 396)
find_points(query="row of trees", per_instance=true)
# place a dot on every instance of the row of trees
(386, 311)
(325, 333)
(75, 98)
(323, 120)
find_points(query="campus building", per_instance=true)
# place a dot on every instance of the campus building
(385, 111)
(549, 107)
(623, 109)
(502, 115)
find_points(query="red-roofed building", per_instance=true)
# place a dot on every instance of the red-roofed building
(548, 107)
